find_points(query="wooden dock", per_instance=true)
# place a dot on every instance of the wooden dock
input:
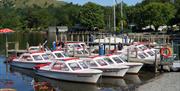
(14, 50)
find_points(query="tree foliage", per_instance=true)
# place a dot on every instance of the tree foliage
(155, 13)
(92, 15)
(40, 15)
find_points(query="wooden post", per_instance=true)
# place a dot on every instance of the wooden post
(127, 55)
(109, 44)
(99, 40)
(78, 38)
(104, 48)
(55, 37)
(84, 50)
(73, 51)
(138, 37)
(16, 47)
(161, 65)
(66, 37)
(89, 50)
(6, 49)
(27, 45)
(72, 37)
(141, 37)
(136, 52)
(156, 63)
(114, 38)
(87, 39)
(83, 37)
(61, 36)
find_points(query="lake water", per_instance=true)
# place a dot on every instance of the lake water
(27, 80)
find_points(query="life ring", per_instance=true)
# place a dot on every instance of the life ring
(166, 55)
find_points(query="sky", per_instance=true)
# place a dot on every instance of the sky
(102, 2)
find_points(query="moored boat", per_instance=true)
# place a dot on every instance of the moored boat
(108, 70)
(120, 60)
(29, 60)
(69, 70)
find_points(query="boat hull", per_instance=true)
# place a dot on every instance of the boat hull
(27, 65)
(134, 69)
(113, 72)
(75, 77)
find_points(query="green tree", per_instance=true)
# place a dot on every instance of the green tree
(92, 15)
(153, 14)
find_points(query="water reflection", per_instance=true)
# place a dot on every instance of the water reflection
(39, 82)
(112, 84)
(115, 82)
(67, 86)
(133, 79)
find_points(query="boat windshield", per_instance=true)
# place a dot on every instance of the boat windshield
(91, 63)
(37, 57)
(60, 66)
(83, 64)
(58, 55)
(145, 54)
(74, 66)
(141, 56)
(65, 55)
(143, 47)
(51, 56)
(150, 53)
(79, 52)
(156, 51)
(108, 60)
(84, 52)
(123, 58)
(46, 57)
(101, 62)
(77, 45)
(82, 44)
(117, 60)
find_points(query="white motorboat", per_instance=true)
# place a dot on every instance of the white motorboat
(75, 45)
(108, 70)
(120, 60)
(140, 52)
(29, 60)
(70, 70)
